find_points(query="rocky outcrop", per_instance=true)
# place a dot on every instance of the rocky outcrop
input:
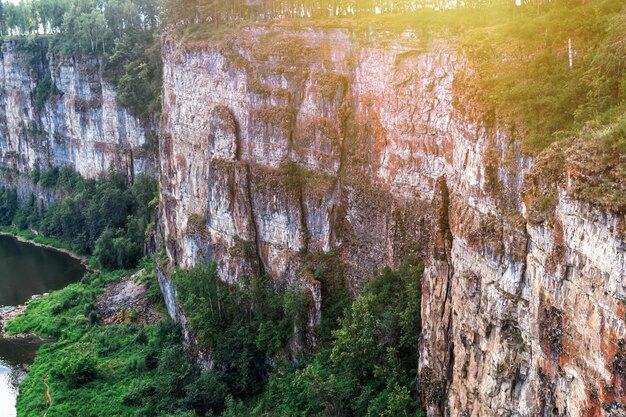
(127, 301)
(277, 143)
(60, 111)
(25, 189)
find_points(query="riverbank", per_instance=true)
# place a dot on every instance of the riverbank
(32, 238)
(91, 357)
(8, 313)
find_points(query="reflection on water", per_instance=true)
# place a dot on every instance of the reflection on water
(14, 354)
(26, 270)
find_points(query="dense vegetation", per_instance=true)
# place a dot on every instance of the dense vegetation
(523, 66)
(106, 217)
(365, 368)
(126, 32)
(241, 325)
(369, 366)
(127, 369)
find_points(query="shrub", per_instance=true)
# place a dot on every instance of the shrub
(49, 178)
(44, 90)
(77, 371)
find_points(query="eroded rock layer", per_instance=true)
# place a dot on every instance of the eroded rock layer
(277, 143)
(56, 112)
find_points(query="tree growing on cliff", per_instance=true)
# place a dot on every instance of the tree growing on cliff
(369, 367)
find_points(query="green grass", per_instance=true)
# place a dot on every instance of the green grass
(113, 355)
(64, 315)
(101, 396)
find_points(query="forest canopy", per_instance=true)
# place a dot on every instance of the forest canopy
(106, 218)
(216, 11)
(99, 22)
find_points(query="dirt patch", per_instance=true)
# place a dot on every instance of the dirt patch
(126, 301)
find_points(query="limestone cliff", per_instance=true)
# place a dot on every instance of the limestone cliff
(277, 143)
(60, 111)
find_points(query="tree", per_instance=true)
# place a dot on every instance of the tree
(3, 21)
(105, 252)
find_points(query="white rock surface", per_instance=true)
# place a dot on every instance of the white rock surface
(80, 125)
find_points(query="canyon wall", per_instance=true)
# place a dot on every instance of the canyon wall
(60, 111)
(278, 143)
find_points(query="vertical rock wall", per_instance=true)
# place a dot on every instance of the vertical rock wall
(76, 121)
(276, 143)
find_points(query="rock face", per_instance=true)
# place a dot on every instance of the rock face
(279, 143)
(56, 112)
(25, 188)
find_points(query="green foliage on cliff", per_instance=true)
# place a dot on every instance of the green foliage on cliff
(241, 325)
(369, 366)
(125, 33)
(136, 70)
(43, 91)
(220, 13)
(366, 366)
(522, 68)
(106, 217)
(556, 79)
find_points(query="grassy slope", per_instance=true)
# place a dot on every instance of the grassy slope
(111, 351)
(33, 237)
(576, 115)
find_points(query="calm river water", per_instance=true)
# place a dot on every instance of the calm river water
(26, 270)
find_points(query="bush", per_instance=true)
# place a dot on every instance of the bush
(44, 90)
(77, 371)
(49, 178)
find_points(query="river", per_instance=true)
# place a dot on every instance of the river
(26, 270)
